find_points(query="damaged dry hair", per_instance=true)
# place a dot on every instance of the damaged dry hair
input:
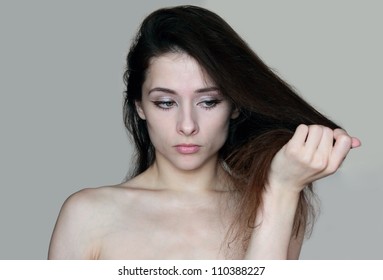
(270, 110)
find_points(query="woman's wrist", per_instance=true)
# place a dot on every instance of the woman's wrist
(282, 191)
(275, 219)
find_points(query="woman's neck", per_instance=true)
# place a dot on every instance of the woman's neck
(165, 176)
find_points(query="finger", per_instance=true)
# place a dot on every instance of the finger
(314, 138)
(300, 135)
(326, 144)
(340, 135)
(340, 150)
(355, 143)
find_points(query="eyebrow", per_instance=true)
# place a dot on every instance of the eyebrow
(167, 90)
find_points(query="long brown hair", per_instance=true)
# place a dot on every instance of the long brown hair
(269, 108)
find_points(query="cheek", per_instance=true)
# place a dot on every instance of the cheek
(159, 131)
(217, 126)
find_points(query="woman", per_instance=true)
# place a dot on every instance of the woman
(226, 153)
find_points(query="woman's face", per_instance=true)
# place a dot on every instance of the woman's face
(186, 115)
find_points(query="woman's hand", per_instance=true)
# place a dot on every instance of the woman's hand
(311, 154)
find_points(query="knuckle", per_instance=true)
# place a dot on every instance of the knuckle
(316, 128)
(340, 131)
(303, 127)
(328, 131)
(345, 140)
(320, 164)
(291, 150)
(331, 169)
(306, 160)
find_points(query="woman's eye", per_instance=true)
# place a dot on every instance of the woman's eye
(209, 104)
(164, 104)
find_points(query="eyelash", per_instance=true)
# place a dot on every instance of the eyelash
(167, 105)
(213, 103)
(164, 105)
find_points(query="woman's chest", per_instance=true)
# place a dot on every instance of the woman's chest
(177, 235)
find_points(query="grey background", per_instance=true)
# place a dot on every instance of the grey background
(61, 65)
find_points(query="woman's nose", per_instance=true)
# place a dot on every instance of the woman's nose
(187, 124)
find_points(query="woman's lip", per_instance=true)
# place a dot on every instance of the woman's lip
(187, 148)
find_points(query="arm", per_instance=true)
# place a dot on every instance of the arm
(296, 243)
(308, 156)
(71, 239)
(271, 239)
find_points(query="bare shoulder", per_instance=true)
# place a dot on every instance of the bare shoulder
(84, 218)
(86, 202)
(86, 199)
(90, 201)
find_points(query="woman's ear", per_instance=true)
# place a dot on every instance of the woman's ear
(234, 113)
(140, 111)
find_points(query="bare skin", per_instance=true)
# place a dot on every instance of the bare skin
(182, 207)
(126, 222)
(138, 221)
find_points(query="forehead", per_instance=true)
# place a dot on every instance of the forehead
(176, 70)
